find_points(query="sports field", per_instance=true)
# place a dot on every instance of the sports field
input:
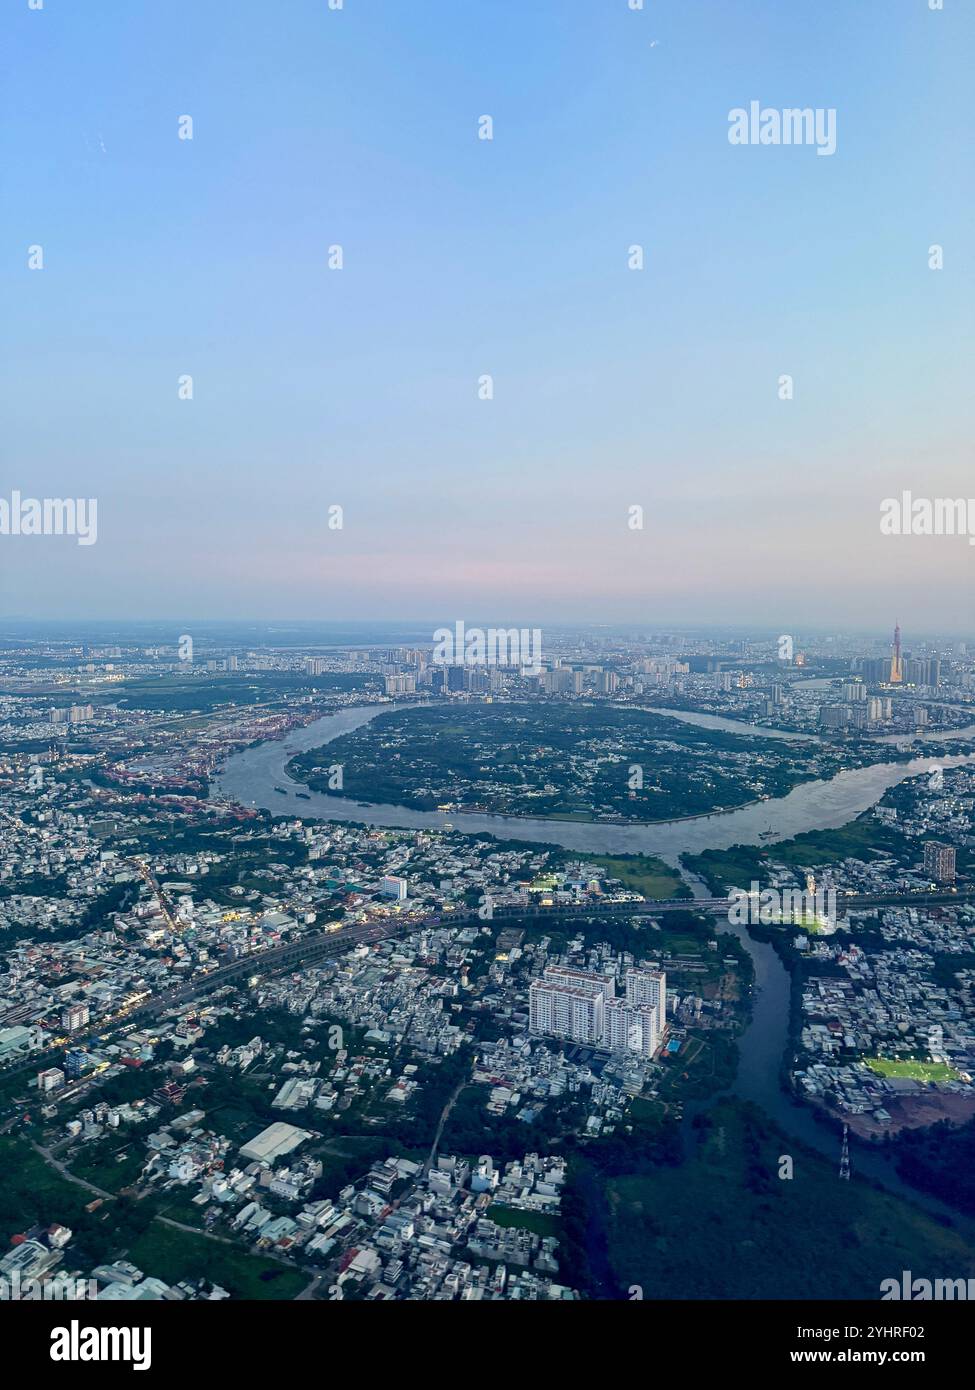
(917, 1071)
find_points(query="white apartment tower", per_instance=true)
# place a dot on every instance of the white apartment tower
(582, 1006)
(587, 980)
(564, 1011)
(631, 1027)
(648, 987)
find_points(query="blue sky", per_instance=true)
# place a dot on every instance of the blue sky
(463, 257)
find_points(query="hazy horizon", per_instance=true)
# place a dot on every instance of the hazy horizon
(419, 630)
(165, 257)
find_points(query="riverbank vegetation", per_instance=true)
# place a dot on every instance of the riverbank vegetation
(864, 838)
(940, 1160)
(761, 1235)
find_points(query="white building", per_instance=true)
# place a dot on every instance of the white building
(648, 987)
(484, 1177)
(631, 1027)
(16, 1042)
(75, 1016)
(274, 1142)
(565, 1011)
(582, 1006)
(592, 983)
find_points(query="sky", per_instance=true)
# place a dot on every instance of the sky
(464, 258)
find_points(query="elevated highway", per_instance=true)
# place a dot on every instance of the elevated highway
(317, 946)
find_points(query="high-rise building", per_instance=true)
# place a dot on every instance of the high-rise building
(400, 685)
(75, 1016)
(873, 670)
(855, 690)
(896, 672)
(648, 987)
(562, 682)
(581, 1005)
(77, 1062)
(630, 1027)
(393, 887)
(479, 680)
(921, 670)
(939, 861)
(590, 981)
(566, 1011)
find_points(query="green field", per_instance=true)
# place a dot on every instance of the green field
(541, 1222)
(916, 1071)
(172, 1255)
(179, 693)
(808, 922)
(643, 874)
(108, 1168)
(32, 1192)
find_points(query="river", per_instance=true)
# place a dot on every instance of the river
(761, 1048)
(251, 777)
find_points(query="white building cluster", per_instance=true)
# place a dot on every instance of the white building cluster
(583, 1006)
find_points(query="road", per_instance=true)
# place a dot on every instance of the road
(315, 946)
(152, 884)
(444, 1114)
(66, 1173)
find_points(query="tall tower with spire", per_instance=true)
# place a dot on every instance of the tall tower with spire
(896, 674)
